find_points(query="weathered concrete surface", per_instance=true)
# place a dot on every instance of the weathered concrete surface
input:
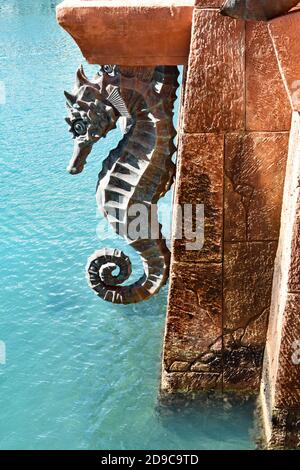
(129, 32)
(280, 390)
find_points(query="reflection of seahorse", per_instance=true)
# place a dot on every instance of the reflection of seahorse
(139, 170)
(257, 9)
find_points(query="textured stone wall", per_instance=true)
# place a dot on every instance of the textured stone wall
(232, 154)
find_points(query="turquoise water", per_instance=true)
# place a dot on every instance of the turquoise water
(79, 373)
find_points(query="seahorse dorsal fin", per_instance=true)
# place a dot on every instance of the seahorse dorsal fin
(117, 101)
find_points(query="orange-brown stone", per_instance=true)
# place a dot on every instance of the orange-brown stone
(129, 32)
(200, 181)
(280, 391)
(209, 3)
(238, 176)
(294, 271)
(267, 104)
(254, 168)
(285, 36)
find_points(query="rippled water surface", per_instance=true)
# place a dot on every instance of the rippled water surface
(79, 372)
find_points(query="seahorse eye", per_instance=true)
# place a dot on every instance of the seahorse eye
(80, 127)
(109, 69)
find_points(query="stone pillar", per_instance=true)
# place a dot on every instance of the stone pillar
(232, 152)
(280, 389)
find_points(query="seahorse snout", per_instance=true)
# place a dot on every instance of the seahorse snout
(78, 159)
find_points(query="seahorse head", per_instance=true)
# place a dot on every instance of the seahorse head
(91, 116)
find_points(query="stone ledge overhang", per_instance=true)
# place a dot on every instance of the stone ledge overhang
(129, 32)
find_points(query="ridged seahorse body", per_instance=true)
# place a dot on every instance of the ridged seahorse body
(139, 170)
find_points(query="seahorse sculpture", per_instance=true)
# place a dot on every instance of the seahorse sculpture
(257, 9)
(139, 170)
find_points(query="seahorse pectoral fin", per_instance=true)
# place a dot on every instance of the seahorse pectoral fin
(117, 101)
(78, 159)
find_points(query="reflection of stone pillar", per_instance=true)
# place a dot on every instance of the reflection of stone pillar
(231, 158)
(280, 391)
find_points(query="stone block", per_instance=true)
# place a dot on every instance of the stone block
(248, 269)
(189, 382)
(214, 100)
(267, 104)
(130, 32)
(285, 32)
(200, 181)
(194, 320)
(209, 3)
(179, 366)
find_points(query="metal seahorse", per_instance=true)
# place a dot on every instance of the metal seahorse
(257, 9)
(139, 170)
